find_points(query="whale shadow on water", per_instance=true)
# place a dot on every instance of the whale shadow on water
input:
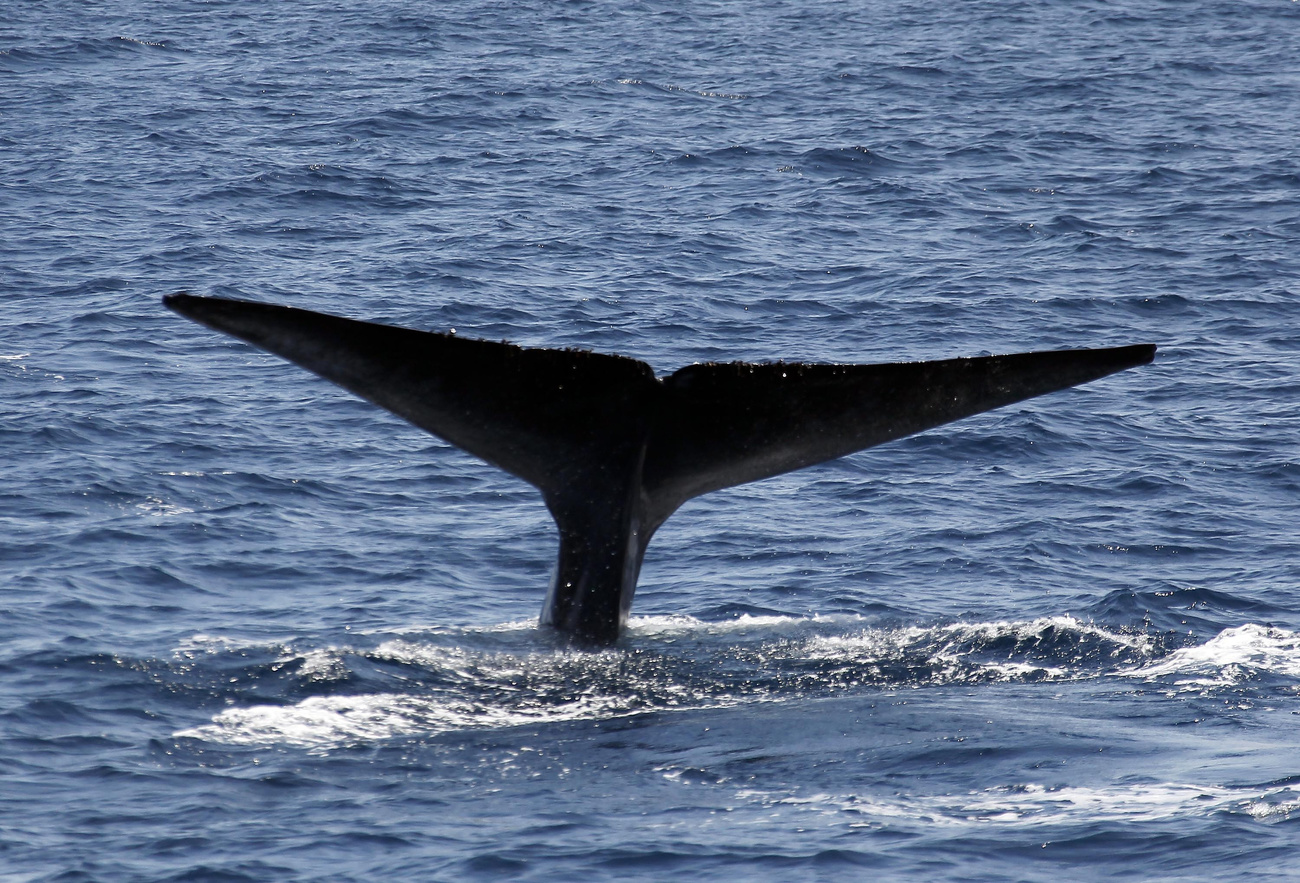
(616, 450)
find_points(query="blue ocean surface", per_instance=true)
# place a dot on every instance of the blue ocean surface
(255, 629)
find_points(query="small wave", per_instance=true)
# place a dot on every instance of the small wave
(844, 161)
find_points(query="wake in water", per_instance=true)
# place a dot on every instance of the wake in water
(1039, 805)
(425, 683)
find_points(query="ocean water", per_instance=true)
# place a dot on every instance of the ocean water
(255, 629)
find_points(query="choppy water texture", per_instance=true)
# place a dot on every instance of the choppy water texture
(254, 629)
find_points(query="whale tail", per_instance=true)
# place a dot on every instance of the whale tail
(614, 450)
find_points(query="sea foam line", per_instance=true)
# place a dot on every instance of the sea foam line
(1035, 805)
(467, 687)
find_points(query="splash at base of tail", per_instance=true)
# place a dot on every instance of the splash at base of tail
(615, 450)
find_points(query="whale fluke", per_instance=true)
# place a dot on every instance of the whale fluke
(614, 450)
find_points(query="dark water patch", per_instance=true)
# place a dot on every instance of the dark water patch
(495, 866)
(846, 161)
(234, 873)
(1166, 605)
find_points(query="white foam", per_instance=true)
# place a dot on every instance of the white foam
(1231, 657)
(334, 721)
(314, 722)
(951, 644)
(320, 665)
(205, 644)
(1035, 627)
(673, 625)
